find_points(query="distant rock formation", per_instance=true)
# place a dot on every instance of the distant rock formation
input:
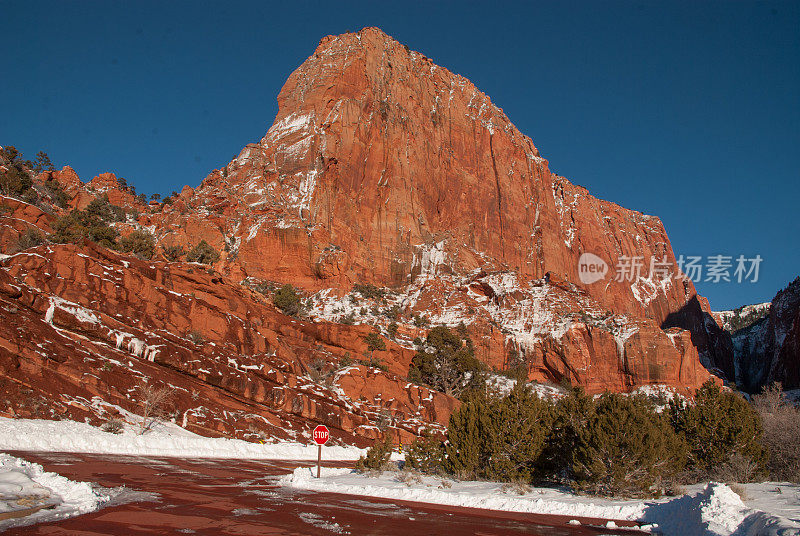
(766, 341)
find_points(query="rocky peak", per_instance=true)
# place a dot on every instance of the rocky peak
(377, 153)
(382, 168)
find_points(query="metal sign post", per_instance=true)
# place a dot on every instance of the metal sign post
(321, 436)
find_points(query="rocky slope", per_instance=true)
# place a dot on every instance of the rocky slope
(384, 169)
(741, 317)
(81, 327)
(767, 350)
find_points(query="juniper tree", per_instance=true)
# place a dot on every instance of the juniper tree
(426, 454)
(173, 253)
(571, 415)
(515, 439)
(377, 456)
(718, 425)
(140, 243)
(287, 300)
(446, 362)
(91, 224)
(203, 253)
(626, 448)
(466, 437)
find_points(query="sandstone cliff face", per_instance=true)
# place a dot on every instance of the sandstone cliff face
(384, 168)
(377, 154)
(380, 168)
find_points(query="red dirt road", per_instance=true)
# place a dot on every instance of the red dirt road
(241, 497)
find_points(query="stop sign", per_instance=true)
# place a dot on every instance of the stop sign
(321, 434)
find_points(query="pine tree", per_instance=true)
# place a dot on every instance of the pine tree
(15, 179)
(43, 163)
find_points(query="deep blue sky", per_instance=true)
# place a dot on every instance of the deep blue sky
(688, 111)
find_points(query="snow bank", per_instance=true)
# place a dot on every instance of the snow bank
(70, 436)
(709, 510)
(25, 486)
(715, 510)
(469, 494)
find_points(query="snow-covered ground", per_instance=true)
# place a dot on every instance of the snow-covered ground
(25, 487)
(711, 509)
(164, 440)
(501, 386)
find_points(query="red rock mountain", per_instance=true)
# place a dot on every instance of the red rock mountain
(381, 168)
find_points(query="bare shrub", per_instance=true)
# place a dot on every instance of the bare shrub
(346, 360)
(196, 337)
(317, 369)
(518, 486)
(371, 473)
(739, 468)
(409, 477)
(321, 372)
(780, 420)
(30, 238)
(771, 399)
(113, 426)
(154, 401)
(384, 419)
(260, 435)
(673, 489)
